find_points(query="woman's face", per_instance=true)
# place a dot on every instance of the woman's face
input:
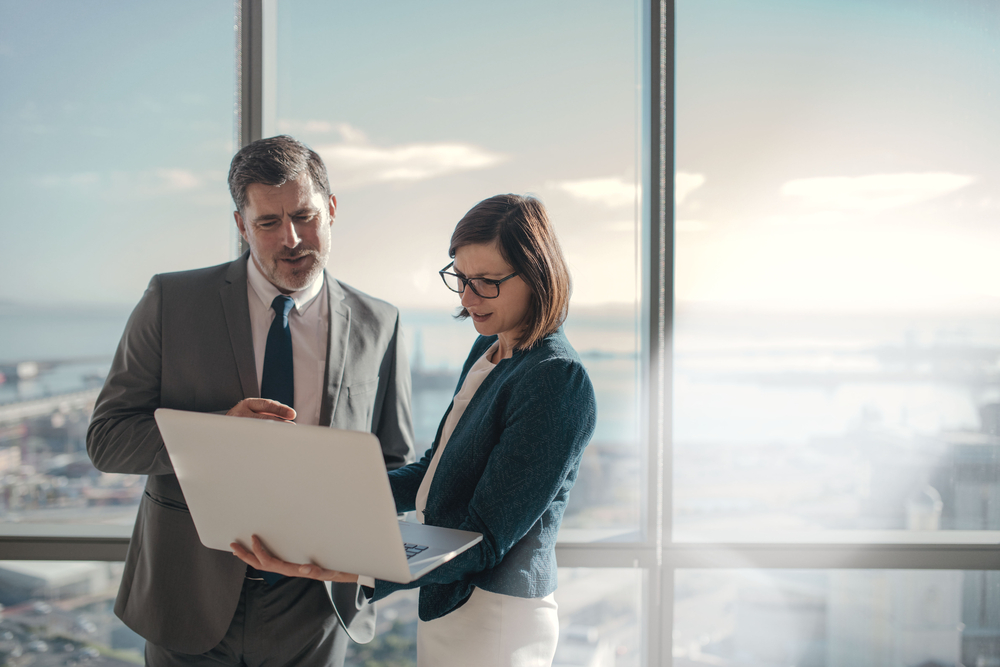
(505, 314)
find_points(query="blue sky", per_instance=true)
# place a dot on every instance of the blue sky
(839, 154)
(119, 117)
(123, 113)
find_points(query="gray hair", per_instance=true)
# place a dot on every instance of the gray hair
(274, 161)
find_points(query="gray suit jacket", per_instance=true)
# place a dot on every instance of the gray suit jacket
(188, 345)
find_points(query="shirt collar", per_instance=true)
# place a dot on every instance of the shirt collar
(266, 291)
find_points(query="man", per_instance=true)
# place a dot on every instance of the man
(217, 340)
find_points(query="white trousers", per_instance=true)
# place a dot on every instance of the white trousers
(491, 630)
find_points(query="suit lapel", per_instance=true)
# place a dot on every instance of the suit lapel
(237, 310)
(336, 350)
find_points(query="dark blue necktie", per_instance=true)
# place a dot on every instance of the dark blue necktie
(278, 379)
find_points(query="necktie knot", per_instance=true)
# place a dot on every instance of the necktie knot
(282, 305)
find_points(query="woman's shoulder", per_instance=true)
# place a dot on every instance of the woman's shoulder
(554, 357)
(554, 348)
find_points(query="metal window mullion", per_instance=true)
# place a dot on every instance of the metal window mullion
(46, 543)
(657, 277)
(256, 75)
(834, 556)
(660, 294)
(256, 69)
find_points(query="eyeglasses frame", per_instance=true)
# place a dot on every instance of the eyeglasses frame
(467, 282)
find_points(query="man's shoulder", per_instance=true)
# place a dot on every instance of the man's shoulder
(203, 277)
(363, 304)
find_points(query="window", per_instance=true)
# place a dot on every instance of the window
(422, 112)
(115, 141)
(795, 352)
(63, 609)
(836, 340)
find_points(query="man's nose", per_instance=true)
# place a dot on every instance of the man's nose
(291, 235)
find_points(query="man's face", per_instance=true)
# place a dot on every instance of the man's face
(288, 230)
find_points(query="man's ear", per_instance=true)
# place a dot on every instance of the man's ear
(333, 208)
(240, 226)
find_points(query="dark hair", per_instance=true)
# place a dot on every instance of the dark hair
(274, 161)
(521, 230)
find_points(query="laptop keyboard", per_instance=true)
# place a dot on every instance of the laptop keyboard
(413, 549)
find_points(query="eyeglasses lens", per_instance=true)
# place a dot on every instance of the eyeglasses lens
(485, 289)
(480, 287)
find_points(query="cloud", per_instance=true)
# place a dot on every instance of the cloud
(617, 191)
(815, 218)
(685, 184)
(622, 226)
(691, 226)
(176, 180)
(612, 191)
(355, 161)
(347, 132)
(361, 164)
(135, 184)
(875, 192)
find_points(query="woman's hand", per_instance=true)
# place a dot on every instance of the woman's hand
(262, 559)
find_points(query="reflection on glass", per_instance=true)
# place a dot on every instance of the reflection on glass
(837, 618)
(837, 331)
(116, 142)
(422, 112)
(60, 613)
(599, 612)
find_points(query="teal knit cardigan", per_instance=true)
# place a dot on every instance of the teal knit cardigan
(506, 473)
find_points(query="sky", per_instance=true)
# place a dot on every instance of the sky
(116, 125)
(838, 155)
(830, 155)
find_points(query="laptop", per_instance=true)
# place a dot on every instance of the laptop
(312, 494)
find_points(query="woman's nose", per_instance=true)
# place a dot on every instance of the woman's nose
(469, 297)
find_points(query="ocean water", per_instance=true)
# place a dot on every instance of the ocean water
(774, 422)
(77, 344)
(739, 380)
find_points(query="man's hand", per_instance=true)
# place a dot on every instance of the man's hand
(262, 408)
(262, 559)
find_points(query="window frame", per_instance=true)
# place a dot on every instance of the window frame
(656, 554)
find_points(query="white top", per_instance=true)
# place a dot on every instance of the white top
(473, 380)
(309, 322)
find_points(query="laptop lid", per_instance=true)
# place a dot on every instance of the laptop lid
(312, 493)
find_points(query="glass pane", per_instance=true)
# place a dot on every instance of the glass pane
(423, 110)
(598, 622)
(116, 140)
(837, 321)
(61, 613)
(837, 618)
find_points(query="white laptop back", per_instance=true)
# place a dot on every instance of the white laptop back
(311, 493)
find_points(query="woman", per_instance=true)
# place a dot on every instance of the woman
(506, 454)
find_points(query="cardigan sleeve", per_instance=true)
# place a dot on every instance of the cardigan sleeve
(547, 421)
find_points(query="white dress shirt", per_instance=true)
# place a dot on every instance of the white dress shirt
(309, 323)
(473, 380)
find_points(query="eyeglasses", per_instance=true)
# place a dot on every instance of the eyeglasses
(482, 287)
